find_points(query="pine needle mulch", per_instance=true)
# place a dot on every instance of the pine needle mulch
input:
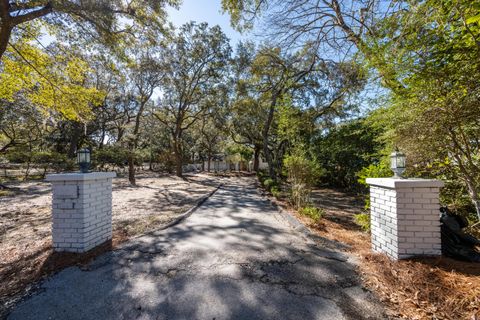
(417, 289)
(428, 288)
(20, 270)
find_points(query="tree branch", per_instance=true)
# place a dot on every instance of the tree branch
(48, 8)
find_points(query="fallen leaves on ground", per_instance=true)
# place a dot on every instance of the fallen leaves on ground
(417, 289)
(26, 254)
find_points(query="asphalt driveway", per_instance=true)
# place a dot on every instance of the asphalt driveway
(235, 257)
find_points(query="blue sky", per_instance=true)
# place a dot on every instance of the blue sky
(205, 11)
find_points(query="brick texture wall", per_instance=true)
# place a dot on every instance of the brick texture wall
(81, 210)
(405, 217)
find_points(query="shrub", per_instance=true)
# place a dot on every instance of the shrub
(269, 183)
(380, 170)
(302, 173)
(112, 155)
(312, 212)
(363, 220)
(54, 160)
(166, 161)
(300, 169)
(275, 192)
(262, 175)
(300, 195)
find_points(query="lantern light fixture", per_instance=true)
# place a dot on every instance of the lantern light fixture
(397, 163)
(83, 160)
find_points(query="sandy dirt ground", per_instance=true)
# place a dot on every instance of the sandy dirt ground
(25, 220)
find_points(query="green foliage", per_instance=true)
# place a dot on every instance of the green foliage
(363, 220)
(51, 82)
(300, 169)
(312, 212)
(433, 114)
(294, 125)
(53, 160)
(276, 192)
(268, 183)
(262, 176)
(110, 155)
(302, 173)
(166, 160)
(244, 151)
(345, 150)
(18, 156)
(47, 160)
(380, 170)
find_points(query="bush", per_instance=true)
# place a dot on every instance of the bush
(302, 173)
(300, 169)
(56, 161)
(363, 220)
(275, 192)
(269, 183)
(166, 161)
(380, 170)
(262, 175)
(109, 155)
(345, 149)
(300, 195)
(312, 212)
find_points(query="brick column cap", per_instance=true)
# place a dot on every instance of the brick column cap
(396, 183)
(77, 176)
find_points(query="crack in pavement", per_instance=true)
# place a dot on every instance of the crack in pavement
(236, 257)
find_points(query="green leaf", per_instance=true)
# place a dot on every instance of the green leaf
(474, 19)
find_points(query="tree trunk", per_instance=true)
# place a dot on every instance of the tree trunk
(131, 169)
(208, 164)
(266, 129)
(5, 32)
(473, 195)
(7, 22)
(178, 165)
(134, 144)
(256, 158)
(177, 150)
(27, 170)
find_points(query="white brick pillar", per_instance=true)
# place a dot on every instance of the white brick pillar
(81, 210)
(405, 216)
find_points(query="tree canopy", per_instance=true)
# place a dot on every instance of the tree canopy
(119, 78)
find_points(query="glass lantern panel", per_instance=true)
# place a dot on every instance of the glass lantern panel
(400, 161)
(80, 156)
(393, 163)
(87, 156)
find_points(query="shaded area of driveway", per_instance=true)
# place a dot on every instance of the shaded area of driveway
(234, 258)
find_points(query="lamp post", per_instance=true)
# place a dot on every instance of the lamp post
(397, 163)
(83, 160)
